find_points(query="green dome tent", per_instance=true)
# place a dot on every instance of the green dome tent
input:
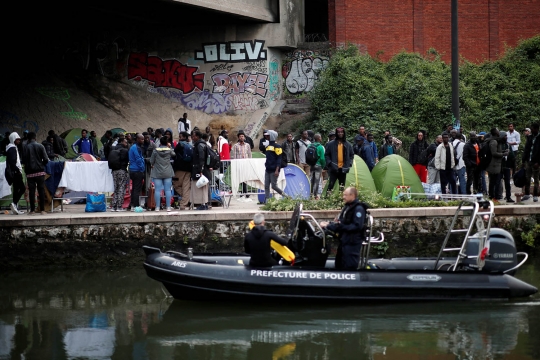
(359, 175)
(392, 171)
(71, 136)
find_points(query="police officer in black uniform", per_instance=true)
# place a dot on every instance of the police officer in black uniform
(350, 230)
(257, 243)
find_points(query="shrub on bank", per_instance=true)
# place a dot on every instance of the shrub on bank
(335, 202)
(412, 92)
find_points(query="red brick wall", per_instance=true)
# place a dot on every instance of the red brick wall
(391, 26)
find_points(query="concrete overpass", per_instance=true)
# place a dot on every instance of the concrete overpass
(261, 10)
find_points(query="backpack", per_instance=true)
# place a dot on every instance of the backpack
(187, 153)
(212, 158)
(485, 156)
(284, 162)
(423, 157)
(311, 155)
(114, 159)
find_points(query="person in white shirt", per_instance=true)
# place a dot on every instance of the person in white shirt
(458, 143)
(513, 140)
(300, 150)
(184, 124)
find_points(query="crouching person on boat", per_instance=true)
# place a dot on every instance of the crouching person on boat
(257, 243)
(350, 230)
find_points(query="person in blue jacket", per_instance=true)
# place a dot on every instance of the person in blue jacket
(350, 230)
(365, 151)
(83, 145)
(136, 171)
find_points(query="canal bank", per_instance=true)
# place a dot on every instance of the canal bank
(74, 238)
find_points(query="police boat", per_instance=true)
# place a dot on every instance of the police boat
(481, 268)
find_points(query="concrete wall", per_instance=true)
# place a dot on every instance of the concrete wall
(103, 67)
(84, 241)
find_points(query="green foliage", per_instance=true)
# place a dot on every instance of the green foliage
(530, 236)
(335, 202)
(411, 92)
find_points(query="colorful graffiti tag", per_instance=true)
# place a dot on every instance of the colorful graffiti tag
(301, 70)
(164, 73)
(273, 86)
(237, 83)
(233, 51)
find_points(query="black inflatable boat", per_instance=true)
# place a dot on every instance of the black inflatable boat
(482, 269)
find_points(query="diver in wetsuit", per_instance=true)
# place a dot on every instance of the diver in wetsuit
(257, 243)
(350, 230)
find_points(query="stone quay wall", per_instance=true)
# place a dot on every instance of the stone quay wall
(102, 240)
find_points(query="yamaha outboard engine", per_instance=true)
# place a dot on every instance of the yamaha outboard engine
(502, 253)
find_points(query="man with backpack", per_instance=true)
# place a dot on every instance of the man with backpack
(459, 169)
(118, 161)
(444, 162)
(300, 149)
(183, 165)
(242, 150)
(315, 158)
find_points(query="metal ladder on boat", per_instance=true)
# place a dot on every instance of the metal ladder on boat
(366, 244)
(480, 214)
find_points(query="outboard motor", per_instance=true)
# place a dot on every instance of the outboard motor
(502, 253)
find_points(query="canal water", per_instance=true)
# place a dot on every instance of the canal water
(122, 314)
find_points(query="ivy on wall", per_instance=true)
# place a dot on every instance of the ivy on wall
(412, 92)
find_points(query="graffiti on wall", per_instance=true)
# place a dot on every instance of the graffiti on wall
(252, 129)
(62, 94)
(11, 122)
(111, 55)
(301, 70)
(233, 51)
(211, 103)
(273, 79)
(238, 83)
(164, 73)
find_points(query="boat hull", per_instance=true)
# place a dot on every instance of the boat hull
(227, 278)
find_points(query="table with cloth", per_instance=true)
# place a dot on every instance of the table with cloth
(251, 171)
(91, 176)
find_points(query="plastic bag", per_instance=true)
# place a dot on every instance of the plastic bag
(95, 203)
(202, 181)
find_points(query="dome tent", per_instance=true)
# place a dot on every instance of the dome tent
(392, 171)
(298, 184)
(71, 136)
(359, 175)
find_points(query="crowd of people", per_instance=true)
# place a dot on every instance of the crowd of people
(482, 164)
(184, 164)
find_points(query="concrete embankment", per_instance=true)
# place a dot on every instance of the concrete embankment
(75, 238)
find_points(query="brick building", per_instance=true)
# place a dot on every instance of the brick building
(386, 27)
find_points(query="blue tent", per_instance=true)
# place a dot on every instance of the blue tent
(298, 186)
